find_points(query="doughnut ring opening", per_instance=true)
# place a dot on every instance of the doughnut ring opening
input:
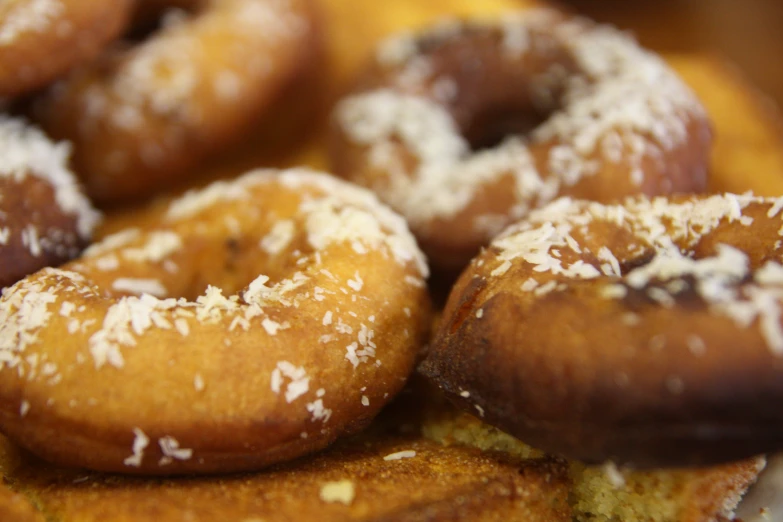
(648, 333)
(261, 320)
(142, 118)
(45, 219)
(40, 40)
(467, 126)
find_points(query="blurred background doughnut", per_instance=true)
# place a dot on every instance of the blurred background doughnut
(41, 40)
(145, 115)
(463, 128)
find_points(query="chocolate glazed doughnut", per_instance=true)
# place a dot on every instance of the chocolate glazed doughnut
(467, 126)
(647, 333)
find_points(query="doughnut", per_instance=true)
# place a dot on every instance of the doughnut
(465, 127)
(261, 319)
(45, 219)
(41, 40)
(143, 117)
(647, 333)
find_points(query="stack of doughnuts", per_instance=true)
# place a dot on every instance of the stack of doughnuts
(611, 326)
(643, 333)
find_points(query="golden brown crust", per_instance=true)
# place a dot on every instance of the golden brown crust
(609, 493)
(408, 127)
(585, 332)
(142, 119)
(262, 319)
(436, 483)
(40, 40)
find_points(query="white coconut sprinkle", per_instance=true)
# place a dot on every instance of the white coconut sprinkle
(198, 382)
(399, 455)
(140, 442)
(34, 16)
(171, 450)
(342, 491)
(279, 237)
(158, 246)
(614, 475)
(139, 286)
(298, 383)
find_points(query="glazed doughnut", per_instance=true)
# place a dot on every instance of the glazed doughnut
(42, 39)
(575, 109)
(45, 219)
(143, 118)
(262, 319)
(647, 333)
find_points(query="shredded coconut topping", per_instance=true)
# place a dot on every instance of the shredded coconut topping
(299, 382)
(139, 286)
(34, 16)
(621, 102)
(555, 241)
(164, 74)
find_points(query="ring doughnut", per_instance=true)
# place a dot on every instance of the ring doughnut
(440, 125)
(45, 219)
(181, 356)
(646, 333)
(42, 39)
(143, 118)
